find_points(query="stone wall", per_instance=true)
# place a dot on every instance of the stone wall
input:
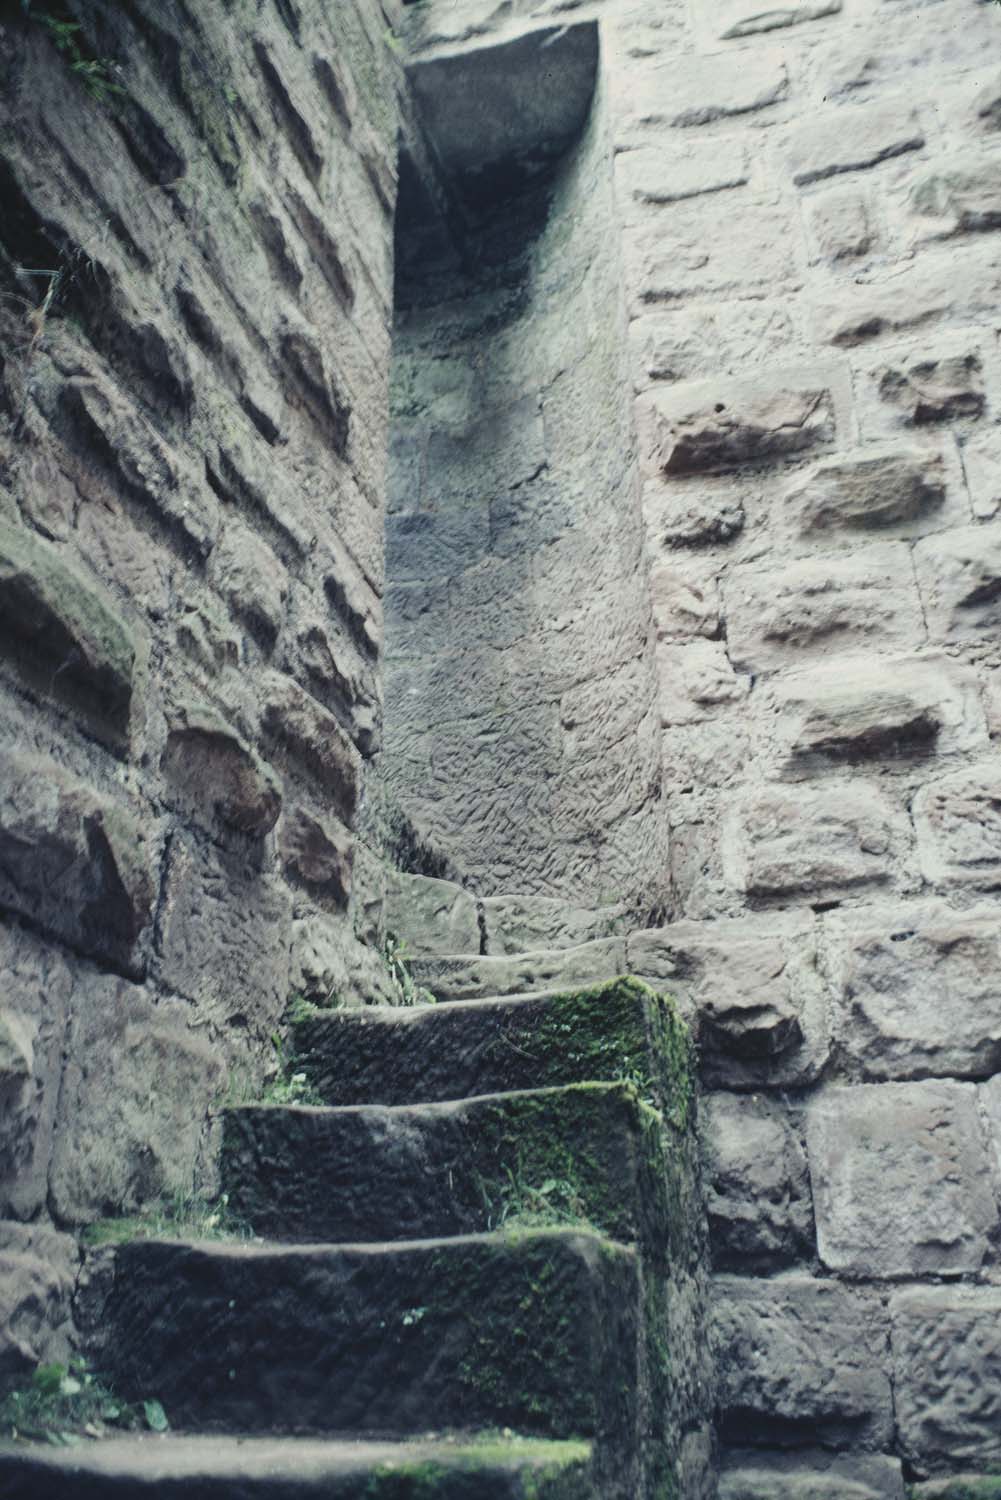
(522, 727)
(195, 306)
(807, 194)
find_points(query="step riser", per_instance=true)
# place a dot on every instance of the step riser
(616, 1031)
(588, 1152)
(539, 1333)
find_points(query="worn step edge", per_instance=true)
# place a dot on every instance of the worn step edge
(585, 1152)
(224, 1468)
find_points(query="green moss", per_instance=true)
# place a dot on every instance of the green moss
(963, 1487)
(546, 1471)
(183, 1218)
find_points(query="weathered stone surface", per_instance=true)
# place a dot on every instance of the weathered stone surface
(717, 427)
(990, 1098)
(251, 579)
(223, 937)
(73, 861)
(902, 491)
(738, 18)
(757, 1184)
(900, 1178)
(313, 740)
(136, 1088)
(842, 225)
(329, 967)
(562, 968)
(947, 1376)
(431, 916)
(926, 391)
(317, 852)
(37, 1271)
(524, 924)
(683, 606)
(919, 987)
(755, 995)
(958, 820)
(916, 295)
(695, 679)
(776, 616)
(777, 843)
(694, 91)
(813, 1475)
(959, 575)
(859, 709)
(957, 196)
(62, 631)
(692, 254)
(693, 342)
(850, 140)
(218, 772)
(801, 1359)
(678, 168)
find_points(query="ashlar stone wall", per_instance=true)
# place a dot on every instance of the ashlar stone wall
(807, 195)
(195, 309)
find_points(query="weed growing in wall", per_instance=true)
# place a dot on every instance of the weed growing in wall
(95, 73)
(64, 1404)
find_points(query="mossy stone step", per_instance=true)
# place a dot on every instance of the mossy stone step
(621, 1030)
(228, 1468)
(539, 1332)
(592, 1151)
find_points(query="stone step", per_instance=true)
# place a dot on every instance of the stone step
(620, 1030)
(228, 1468)
(464, 976)
(538, 1331)
(591, 1151)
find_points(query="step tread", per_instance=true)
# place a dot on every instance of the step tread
(148, 1459)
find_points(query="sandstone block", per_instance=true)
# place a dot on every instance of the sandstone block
(959, 575)
(756, 999)
(990, 1098)
(777, 843)
(677, 168)
(137, 1086)
(926, 391)
(720, 426)
(916, 295)
(900, 1179)
(684, 605)
(431, 916)
(694, 91)
(700, 515)
(841, 225)
(251, 579)
(957, 196)
(737, 18)
(37, 1271)
(859, 709)
(318, 852)
(473, 978)
(74, 862)
(338, 675)
(797, 1356)
(695, 679)
(947, 1376)
(62, 632)
(958, 821)
(330, 967)
(812, 1475)
(851, 140)
(38, 986)
(919, 989)
(313, 740)
(218, 772)
(901, 492)
(224, 939)
(778, 616)
(757, 1184)
(980, 466)
(523, 924)
(696, 253)
(696, 342)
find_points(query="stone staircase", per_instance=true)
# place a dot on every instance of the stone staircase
(490, 1228)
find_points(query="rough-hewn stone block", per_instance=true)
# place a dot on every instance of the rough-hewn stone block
(776, 616)
(431, 916)
(522, 924)
(318, 852)
(821, 843)
(920, 989)
(947, 1376)
(693, 91)
(957, 196)
(737, 18)
(959, 575)
(38, 1268)
(850, 140)
(812, 1475)
(715, 426)
(926, 391)
(73, 861)
(675, 169)
(694, 252)
(251, 579)
(218, 771)
(695, 679)
(842, 225)
(61, 630)
(314, 741)
(801, 1359)
(472, 978)
(900, 1179)
(958, 821)
(757, 1184)
(902, 492)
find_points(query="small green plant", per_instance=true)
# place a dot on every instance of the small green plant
(288, 1087)
(95, 73)
(184, 1216)
(397, 960)
(523, 1205)
(64, 1404)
